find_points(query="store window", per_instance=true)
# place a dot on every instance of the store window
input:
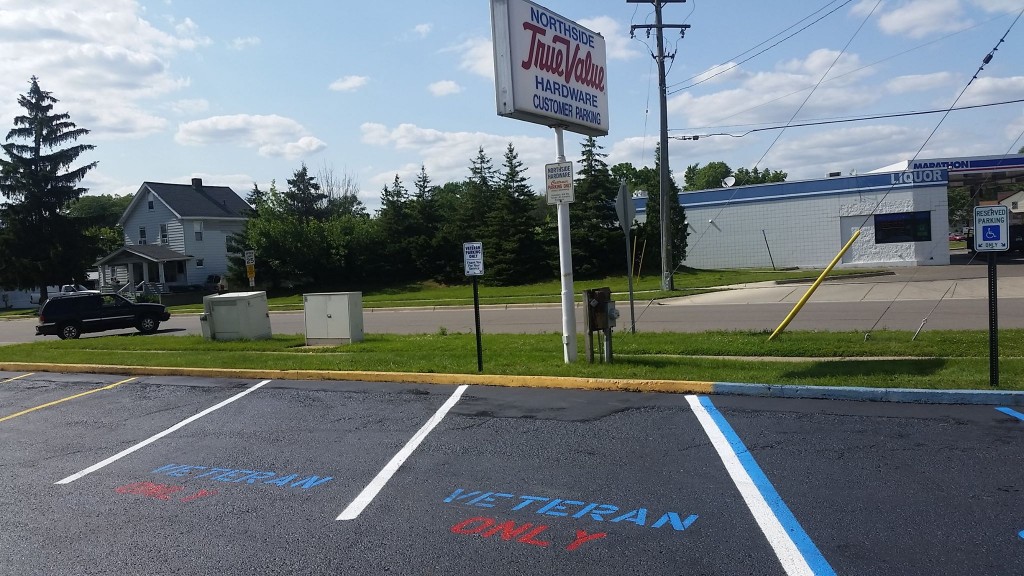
(903, 227)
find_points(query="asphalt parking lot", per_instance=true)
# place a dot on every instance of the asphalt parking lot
(160, 475)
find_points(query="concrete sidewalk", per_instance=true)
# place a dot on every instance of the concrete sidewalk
(860, 290)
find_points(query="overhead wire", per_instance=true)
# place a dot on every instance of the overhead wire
(735, 64)
(850, 119)
(988, 58)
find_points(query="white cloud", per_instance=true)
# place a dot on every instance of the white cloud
(476, 56)
(102, 59)
(919, 18)
(773, 96)
(423, 30)
(863, 8)
(918, 82)
(444, 88)
(190, 106)
(243, 43)
(447, 155)
(986, 90)
(349, 83)
(617, 42)
(718, 73)
(272, 136)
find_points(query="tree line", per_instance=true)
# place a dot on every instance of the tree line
(314, 232)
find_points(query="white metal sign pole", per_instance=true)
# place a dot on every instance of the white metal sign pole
(565, 265)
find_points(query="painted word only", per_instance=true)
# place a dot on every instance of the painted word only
(161, 491)
(574, 508)
(525, 533)
(238, 476)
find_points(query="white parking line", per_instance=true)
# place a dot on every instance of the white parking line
(374, 487)
(158, 436)
(792, 545)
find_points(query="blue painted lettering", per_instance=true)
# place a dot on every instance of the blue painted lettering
(527, 500)
(555, 507)
(459, 495)
(601, 510)
(283, 480)
(232, 475)
(311, 482)
(673, 518)
(252, 478)
(486, 500)
(638, 517)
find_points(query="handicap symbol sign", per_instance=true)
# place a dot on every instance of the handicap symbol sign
(990, 233)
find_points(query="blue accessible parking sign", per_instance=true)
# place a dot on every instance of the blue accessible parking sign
(991, 224)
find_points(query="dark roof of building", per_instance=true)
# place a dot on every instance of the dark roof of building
(151, 252)
(188, 201)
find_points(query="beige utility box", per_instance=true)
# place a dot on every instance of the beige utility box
(236, 316)
(333, 318)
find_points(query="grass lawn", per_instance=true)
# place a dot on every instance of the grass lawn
(937, 359)
(686, 281)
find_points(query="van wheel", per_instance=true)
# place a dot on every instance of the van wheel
(69, 331)
(148, 325)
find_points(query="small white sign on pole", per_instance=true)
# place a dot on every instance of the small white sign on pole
(473, 258)
(558, 179)
(991, 228)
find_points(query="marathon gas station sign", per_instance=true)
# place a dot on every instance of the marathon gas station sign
(548, 70)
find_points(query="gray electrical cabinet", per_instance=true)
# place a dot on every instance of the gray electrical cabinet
(236, 316)
(333, 318)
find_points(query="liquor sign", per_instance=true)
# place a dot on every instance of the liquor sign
(548, 69)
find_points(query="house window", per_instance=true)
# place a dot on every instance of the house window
(1013, 205)
(163, 234)
(903, 227)
(149, 204)
(199, 262)
(142, 235)
(198, 227)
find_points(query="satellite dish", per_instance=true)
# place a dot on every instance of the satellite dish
(728, 181)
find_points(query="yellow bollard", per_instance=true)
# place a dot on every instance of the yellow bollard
(807, 295)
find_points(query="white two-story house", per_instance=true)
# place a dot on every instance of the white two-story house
(175, 235)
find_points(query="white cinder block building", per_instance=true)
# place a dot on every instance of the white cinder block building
(901, 211)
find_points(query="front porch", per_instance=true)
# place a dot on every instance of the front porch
(145, 269)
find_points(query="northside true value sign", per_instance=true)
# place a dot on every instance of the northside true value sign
(548, 69)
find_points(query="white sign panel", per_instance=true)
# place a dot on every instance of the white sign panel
(991, 228)
(558, 177)
(250, 257)
(548, 69)
(473, 258)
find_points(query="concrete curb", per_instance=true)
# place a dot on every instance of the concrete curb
(907, 395)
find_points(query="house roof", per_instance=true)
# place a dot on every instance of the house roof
(200, 201)
(151, 252)
(194, 200)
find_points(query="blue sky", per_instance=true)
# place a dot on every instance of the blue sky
(241, 92)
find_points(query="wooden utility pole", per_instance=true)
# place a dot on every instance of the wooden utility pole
(665, 189)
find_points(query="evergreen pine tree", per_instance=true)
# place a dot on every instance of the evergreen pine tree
(41, 244)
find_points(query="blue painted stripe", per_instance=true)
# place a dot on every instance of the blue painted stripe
(803, 542)
(1010, 412)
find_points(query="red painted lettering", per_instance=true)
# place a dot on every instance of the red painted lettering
(529, 538)
(582, 537)
(158, 491)
(467, 526)
(508, 530)
(200, 494)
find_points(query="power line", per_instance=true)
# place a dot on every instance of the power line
(735, 64)
(844, 120)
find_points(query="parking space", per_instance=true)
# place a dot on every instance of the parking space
(181, 475)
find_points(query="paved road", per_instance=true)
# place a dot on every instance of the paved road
(175, 475)
(949, 297)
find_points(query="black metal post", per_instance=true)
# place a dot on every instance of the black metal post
(993, 324)
(476, 313)
(769, 248)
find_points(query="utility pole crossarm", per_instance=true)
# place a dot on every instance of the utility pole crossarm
(664, 196)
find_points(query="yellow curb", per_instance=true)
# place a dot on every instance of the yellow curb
(564, 382)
